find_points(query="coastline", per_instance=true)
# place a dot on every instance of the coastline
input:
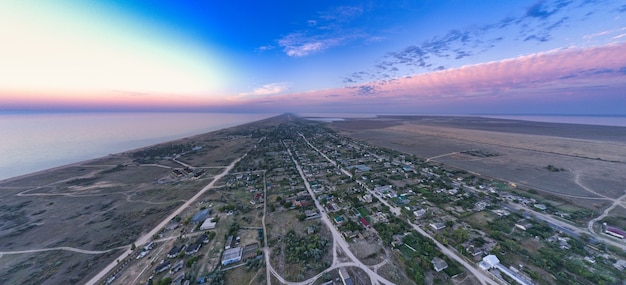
(42, 142)
(107, 193)
(378, 121)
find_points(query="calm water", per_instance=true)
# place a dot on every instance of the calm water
(34, 142)
(618, 121)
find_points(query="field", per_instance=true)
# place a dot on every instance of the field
(97, 208)
(580, 164)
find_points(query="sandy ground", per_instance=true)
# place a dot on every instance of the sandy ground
(591, 157)
(99, 207)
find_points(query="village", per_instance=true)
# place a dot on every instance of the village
(273, 219)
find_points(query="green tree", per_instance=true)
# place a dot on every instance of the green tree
(460, 235)
(165, 281)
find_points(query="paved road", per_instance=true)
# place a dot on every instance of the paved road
(148, 236)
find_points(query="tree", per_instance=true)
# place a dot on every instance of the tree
(460, 235)
(133, 247)
(165, 281)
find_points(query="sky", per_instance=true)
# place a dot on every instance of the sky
(385, 57)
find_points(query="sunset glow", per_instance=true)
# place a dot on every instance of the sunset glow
(315, 58)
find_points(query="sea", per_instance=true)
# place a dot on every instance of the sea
(600, 120)
(31, 142)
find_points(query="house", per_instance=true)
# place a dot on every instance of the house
(541, 207)
(148, 246)
(208, 224)
(178, 266)
(258, 197)
(437, 226)
(200, 216)
(345, 277)
(489, 262)
(250, 251)
(367, 198)
(203, 238)
(501, 213)
(361, 167)
(310, 214)
(229, 242)
(164, 265)
(339, 220)
(419, 213)
(193, 248)
(179, 278)
(523, 224)
(364, 222)
(232, 255)
(620, 265)
(382, 189)
(176, 250)
(439, 264)
(474, 251)
(172, 225)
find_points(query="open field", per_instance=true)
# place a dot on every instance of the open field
(61, 226)
(589, 161)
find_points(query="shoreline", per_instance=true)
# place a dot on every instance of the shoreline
(106, 201)
(26, 161)
(510, 126)
(375, 122)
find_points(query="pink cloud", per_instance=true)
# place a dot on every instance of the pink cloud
(557, 73)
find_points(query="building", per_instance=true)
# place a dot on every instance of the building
(229, 242)
(208, 224)
(179, 278)
(178, 266)
(419, 213)
(439, 264)
(364, 222)
(523, 224)
(361, 167)
(345, 277)
(383, 189)
(164, 265)
(251, 251)
(489, 262)
(200, 216)
(338, 220)
(232, 255)
(437, 226)
(193, 248)
(492, 262)
(311, 214)
(613, 231)
(176, 250)
(541, 207)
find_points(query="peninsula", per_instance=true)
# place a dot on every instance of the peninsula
(287, 200)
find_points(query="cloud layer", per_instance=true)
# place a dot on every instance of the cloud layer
(553, 76)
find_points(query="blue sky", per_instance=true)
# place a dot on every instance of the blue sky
(316, 56)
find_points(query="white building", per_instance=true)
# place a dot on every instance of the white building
(232, 255)
(489, 262)
(208, 224)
